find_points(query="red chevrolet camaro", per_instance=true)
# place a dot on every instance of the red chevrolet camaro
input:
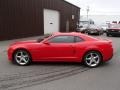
(62, 47)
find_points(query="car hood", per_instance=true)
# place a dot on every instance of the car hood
(24, 42)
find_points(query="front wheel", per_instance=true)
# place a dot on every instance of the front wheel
(22, 57)
(92, 59)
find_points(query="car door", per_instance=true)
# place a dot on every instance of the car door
(58, 48)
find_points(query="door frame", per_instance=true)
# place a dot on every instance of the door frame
(59, 21)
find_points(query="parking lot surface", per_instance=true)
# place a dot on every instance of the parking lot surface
(60, 76)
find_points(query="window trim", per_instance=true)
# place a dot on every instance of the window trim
(62, 35)
(67, 35)
(78, 37)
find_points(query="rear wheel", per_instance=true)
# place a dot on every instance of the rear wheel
(107, 34)
(22, 57)
(92, 59)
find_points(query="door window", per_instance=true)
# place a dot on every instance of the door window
(62, 39)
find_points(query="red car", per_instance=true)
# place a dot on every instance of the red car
(62, 47)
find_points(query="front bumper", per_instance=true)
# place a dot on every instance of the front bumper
(10, 52)
(93, 32)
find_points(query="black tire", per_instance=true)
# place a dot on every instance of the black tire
(99, 34)
(88, 33)
(22, 58)
(107, 34)
(92, 59)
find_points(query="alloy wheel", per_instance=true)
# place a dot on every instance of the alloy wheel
(92, 59)
(22, 57)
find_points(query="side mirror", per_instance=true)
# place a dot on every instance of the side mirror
(47, 43)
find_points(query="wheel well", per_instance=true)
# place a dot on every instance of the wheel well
(21, 49)
(93, 51)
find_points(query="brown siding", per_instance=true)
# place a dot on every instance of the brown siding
(23, 18)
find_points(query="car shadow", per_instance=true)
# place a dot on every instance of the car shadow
(57, 64)
(106, 64)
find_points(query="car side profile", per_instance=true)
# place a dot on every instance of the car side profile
(62, 47)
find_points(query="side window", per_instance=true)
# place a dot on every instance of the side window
(62, 39)
(78, 39)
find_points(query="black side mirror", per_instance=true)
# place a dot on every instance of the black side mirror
(47, 43)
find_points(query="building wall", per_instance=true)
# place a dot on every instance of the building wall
(23, 18)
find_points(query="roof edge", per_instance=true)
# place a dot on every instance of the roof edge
(71, 4)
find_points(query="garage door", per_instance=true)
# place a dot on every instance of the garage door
(51, 21)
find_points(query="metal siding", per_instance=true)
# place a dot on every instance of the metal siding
(23, 18)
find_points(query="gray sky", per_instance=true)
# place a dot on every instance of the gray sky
(98, 7)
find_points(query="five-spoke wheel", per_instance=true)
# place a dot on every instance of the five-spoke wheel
(22, 57)
(92, 59)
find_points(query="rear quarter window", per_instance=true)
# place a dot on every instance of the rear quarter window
(78, 39)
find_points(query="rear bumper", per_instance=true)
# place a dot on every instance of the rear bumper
(109, 58)
(108, 55)
(113, 33)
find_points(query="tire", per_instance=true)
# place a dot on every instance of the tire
(88, 33)
(92, 59)
(107, 34)
(99, 34)
(22, 58)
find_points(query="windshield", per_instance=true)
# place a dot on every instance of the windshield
(41, 38)
(94, 26)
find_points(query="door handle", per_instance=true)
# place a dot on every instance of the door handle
(74, 50)
(51, 23)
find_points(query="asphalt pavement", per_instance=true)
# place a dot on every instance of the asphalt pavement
(59, 76)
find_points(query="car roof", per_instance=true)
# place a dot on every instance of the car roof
(84, 36)
(67, 33)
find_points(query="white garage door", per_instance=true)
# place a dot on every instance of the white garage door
(51, 21)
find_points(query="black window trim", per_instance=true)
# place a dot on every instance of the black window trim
(68, 35)
(61, 35)
(78, 37)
